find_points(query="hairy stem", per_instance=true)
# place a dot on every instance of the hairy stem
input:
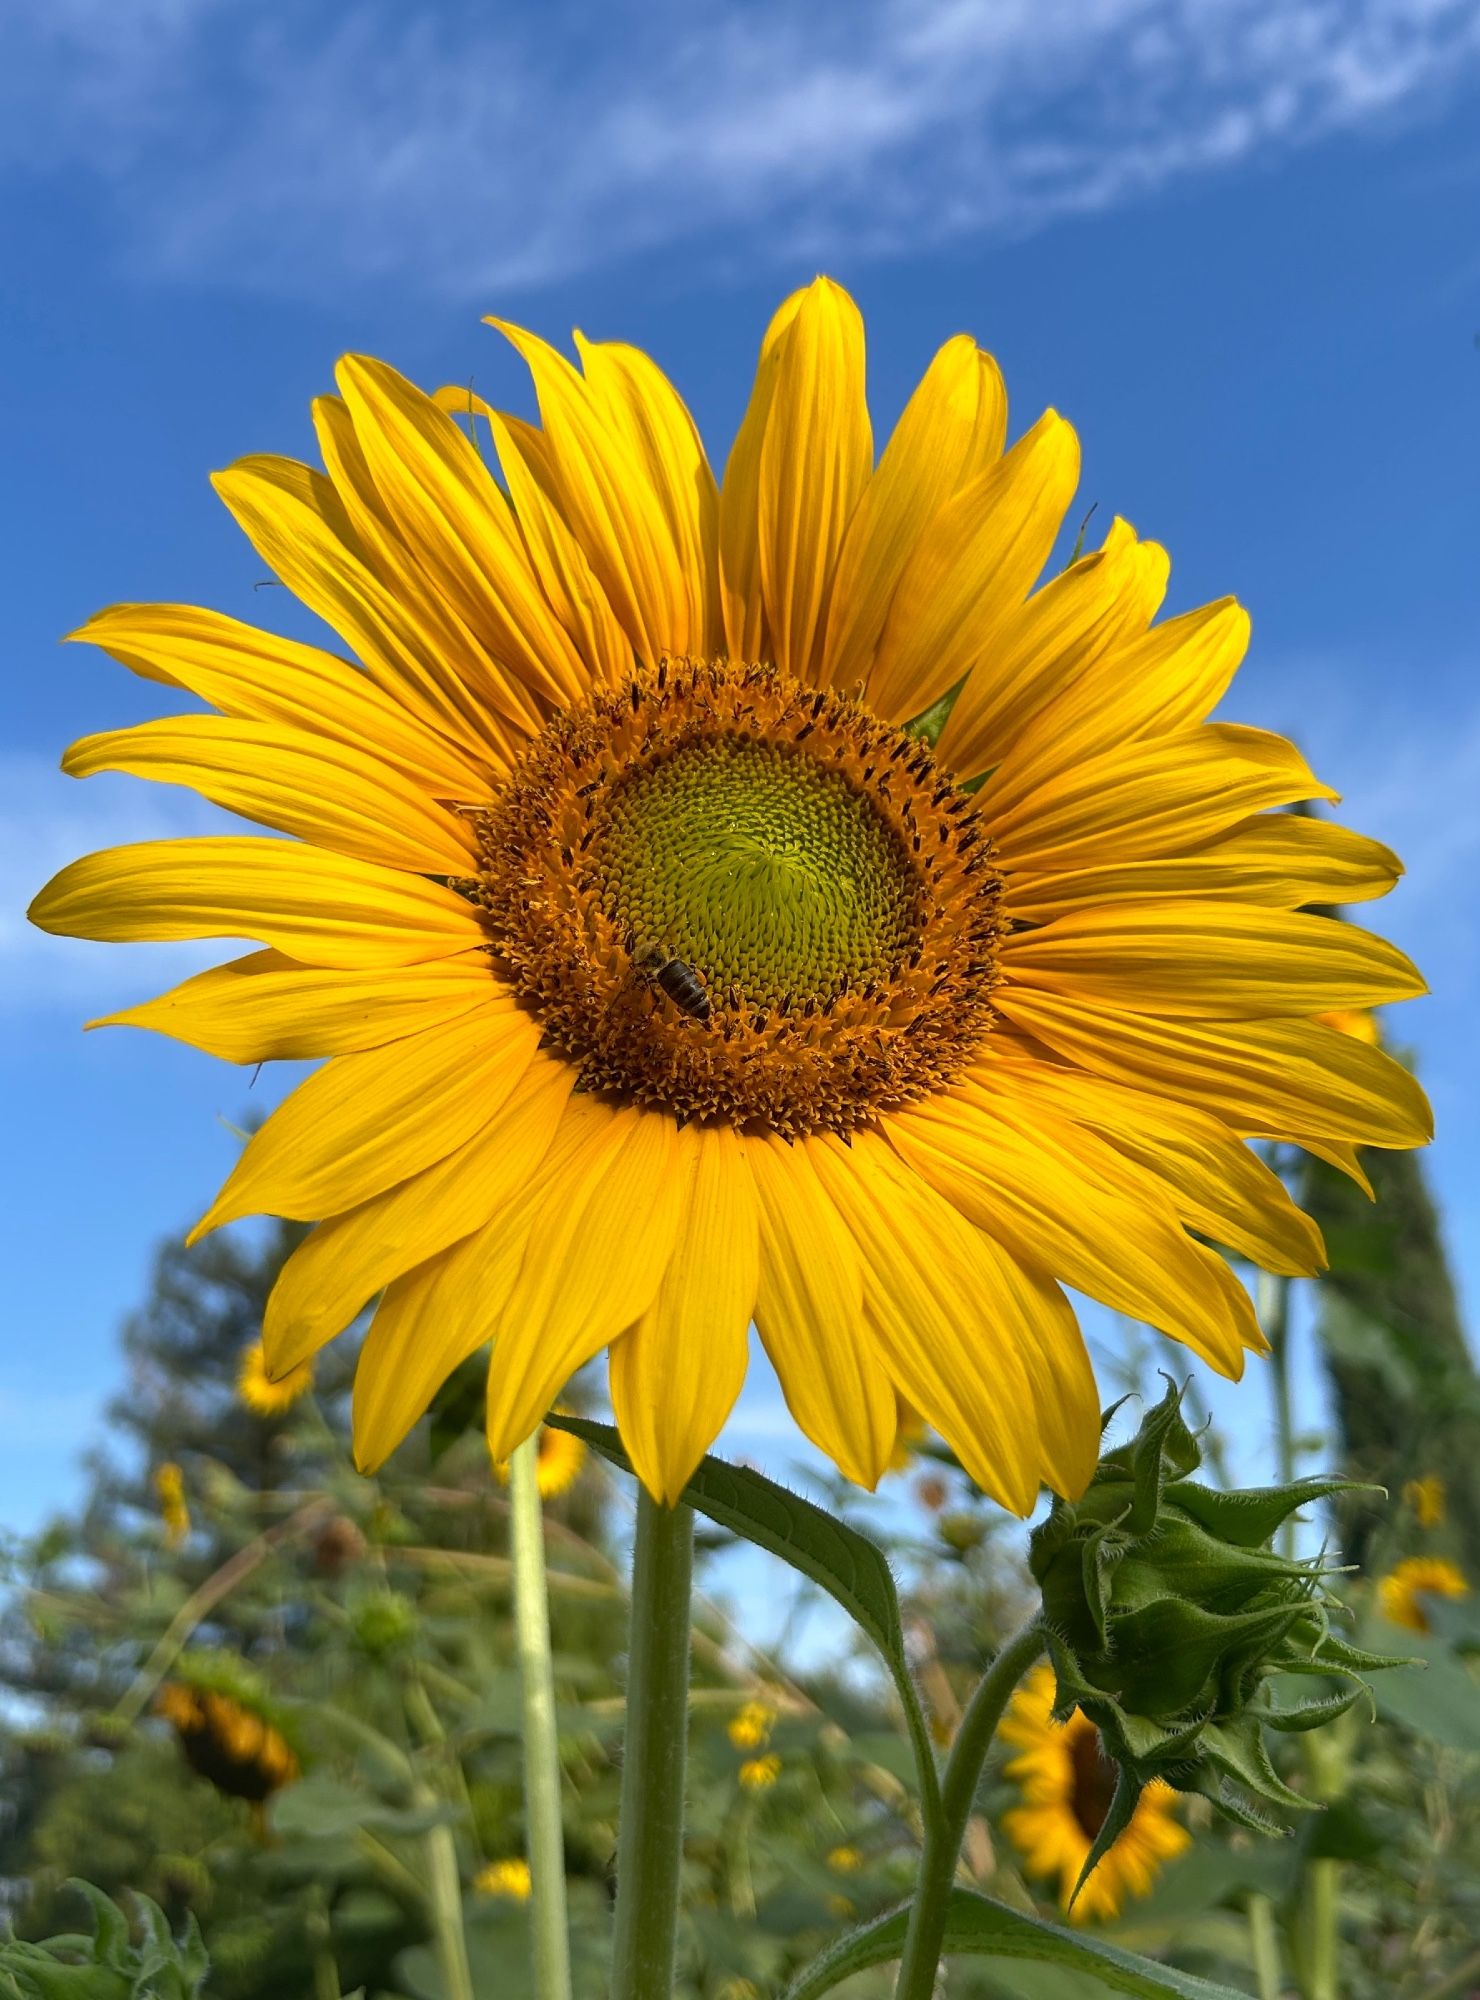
(650, 1835)
(945, 1830)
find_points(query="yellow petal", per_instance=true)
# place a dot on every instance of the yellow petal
(455, 518)
(1167, 682)
(1281, 1079)
(676, 1373)
(809, 1313)
(262, 678)
(648, 413)
(607, 497)
(337, 795)
(1143, 800)
(266, 1008)
(320, 908)
(1213, 961)
(412, 580)
(1281, 860)
(559, 560)
(971, 570)
(296, 522)
(951, 430)
(449, 1306)
(1212, 1179)
(739, 503)
(951, 1354)
(594, 1263)
(1065, 1203)
(815, 461)
(364, 1122)
(349, 1258)
(1094, 606)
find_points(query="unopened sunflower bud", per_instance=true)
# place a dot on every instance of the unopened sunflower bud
(383, 1622)
(1167, 1611)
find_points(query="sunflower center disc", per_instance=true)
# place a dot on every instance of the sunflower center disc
(717, 833)
(769, 875)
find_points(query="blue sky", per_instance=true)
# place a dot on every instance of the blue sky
(1233, 240)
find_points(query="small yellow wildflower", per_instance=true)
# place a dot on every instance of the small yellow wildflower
(751, 1728)
(510, 1879)
(846, 1860)
(757, 1774)
(841, 1907)
(1359, 1022)
(1426, 1498)
(1402, 1590)
(169, 1485)
(559, 1460)
(265, 1395)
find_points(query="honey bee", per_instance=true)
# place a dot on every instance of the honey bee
(684, 987)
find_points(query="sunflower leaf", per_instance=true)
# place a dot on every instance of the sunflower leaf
(978, 1927)
(837, 1558)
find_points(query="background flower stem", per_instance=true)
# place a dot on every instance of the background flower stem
(544, 1836)
(650, 1834)
(945, 1830)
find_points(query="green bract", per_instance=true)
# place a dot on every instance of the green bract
(1168, 1611)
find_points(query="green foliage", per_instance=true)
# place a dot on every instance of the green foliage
(980, 1928)
(110, 1964)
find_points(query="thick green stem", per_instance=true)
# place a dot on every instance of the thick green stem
(1322, 1904)
(444, 1903)
(1264, 1947)
(945, 1831)
(650, 1835)
(544, 1837)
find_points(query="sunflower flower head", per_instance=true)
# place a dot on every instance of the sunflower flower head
(559, 1459)
(1168, 1611)
(267, 1394)
(1426, 1499)
(509, 1879)
(1401, 1593)
(1066, 1785)
(219, 1711)
(174, 1514)
(750, 1728)
(702, 892)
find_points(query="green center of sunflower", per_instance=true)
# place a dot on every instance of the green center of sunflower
(727, 896)
(768, 874)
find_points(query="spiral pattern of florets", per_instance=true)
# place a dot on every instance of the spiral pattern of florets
(805, 865)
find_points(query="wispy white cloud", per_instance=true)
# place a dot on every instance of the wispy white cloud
(295, 147)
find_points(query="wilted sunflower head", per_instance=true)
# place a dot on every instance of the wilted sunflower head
(801, 897)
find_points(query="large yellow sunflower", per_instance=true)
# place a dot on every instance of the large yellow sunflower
(668, 979)
(1067, 1783)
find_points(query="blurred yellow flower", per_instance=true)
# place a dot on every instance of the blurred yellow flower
(1359, 1022)
(559, 1459)
(264, 1394)
(1402, 1590)
(1426, 1498)
(169, 1486)
(1066, 1784)
(751, 1728)
(759, 1772)
(841, 1907)
(668, 979)
(846, 1860)
(510, 1879)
